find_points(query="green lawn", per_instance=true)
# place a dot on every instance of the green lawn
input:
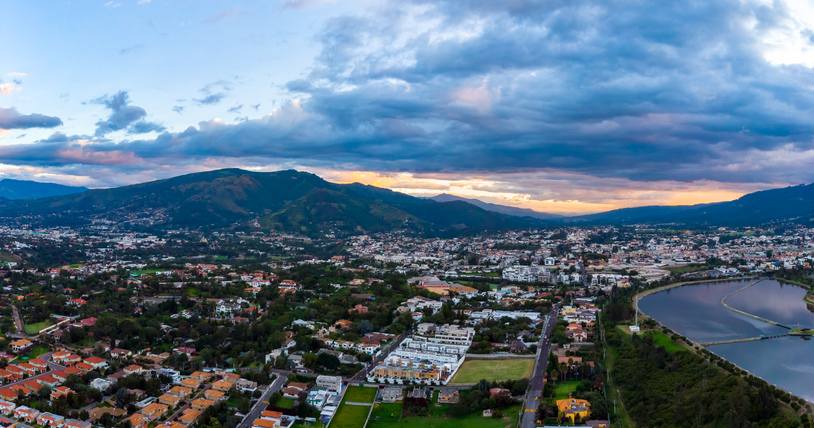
(145, 271)
(473, 371)
(669, 345)
(564, 388)
(475, 420)
(360, 394)
(36, 327)
(75, 265)
(386, 412)
(350, 416)
(36, 352)
(288, 403)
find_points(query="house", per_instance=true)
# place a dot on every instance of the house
(169, 399)
(222, 386)
(48, 380)
(191, 383)
(39, 364)
(61, 391)
(85, 367)
(57, 357)
(189, 416)
(292, 393)
(77, 302)
(8, 394)
(201, 376)
(186, 350)
(101, 384)
(213, 395)
(137, 420)
(28, 368)
(154, 409)
(60, 376)
(49, 419)
(71, 359)
(181, 391)
(245, 385)
(201, 404)
(20, 345)
(96, 362)
(331, 383)
(7, 407)
(74, 423)
(73, 370)
(572, 407)
(120, 353)
(133, 369)
(26, 413)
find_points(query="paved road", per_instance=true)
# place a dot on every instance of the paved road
(536, 382)
(18, 320)
(362, 375)
(263, 402)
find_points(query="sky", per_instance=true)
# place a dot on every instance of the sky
(563, 106)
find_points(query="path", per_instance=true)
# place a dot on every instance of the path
(723, 302)
(748, 339)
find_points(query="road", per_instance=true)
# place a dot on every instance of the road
(188, 401)
(362, 375)
(536, 383)
(18, 320)
(263, 402)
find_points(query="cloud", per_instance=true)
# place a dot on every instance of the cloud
(221, 16)
(112, 4)
(16, 74)
(210, 99)
(235, 109)
(132, 48)
(10, 118)
(7, 88)
(123, 116)
(178, 109)
(588, 88)
(304, 4)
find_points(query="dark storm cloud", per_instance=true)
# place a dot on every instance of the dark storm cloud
(123, 116)
(647, 91)
(10, 118)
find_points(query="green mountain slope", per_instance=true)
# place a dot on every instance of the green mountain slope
(282, 200)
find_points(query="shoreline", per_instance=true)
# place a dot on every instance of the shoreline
(692, 344)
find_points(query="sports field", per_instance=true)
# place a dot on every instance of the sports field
(473, 371)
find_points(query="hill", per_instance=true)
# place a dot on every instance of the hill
(24, 189)
(283, 200)
(789, 204)
(503, 209)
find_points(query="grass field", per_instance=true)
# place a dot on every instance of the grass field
(386, 412)
(565, 388)
(669, 345)
(359, 394)
(350, 416)
(473, 371)
(145, 272)
(692, 267)
(36, 352)
(36, 327)
(288, 403)
(475, 420)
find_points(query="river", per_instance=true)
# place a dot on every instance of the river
(695, 311)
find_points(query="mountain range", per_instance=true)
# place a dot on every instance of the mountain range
(23, 189)
(303, 202)
(503, 209)
(282, 200)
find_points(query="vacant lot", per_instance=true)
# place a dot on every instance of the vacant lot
(475, 420)
(350, 416)
(358, 394)
(36, 327)
(474, 370)
(564, 388)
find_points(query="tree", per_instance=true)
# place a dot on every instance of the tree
(84, 415)
(121, 398)
(329, 361)
(364, 327)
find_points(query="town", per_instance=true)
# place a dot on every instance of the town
(258, 329)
